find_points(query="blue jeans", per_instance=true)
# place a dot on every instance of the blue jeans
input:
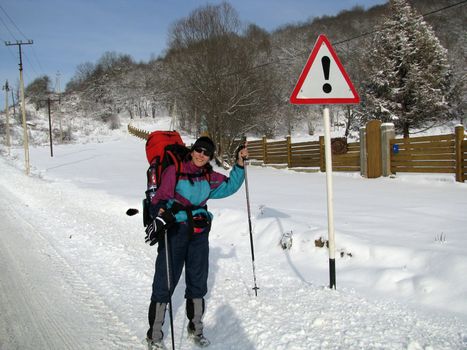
(184, 250)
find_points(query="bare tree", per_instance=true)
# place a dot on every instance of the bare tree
(213, 73)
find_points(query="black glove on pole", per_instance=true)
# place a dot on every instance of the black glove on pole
(156, 228)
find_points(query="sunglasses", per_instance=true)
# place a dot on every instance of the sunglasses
(203, 151)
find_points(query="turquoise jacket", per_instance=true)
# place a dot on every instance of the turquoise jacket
(195, 187)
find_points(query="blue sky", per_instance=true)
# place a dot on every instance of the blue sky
(69, 32)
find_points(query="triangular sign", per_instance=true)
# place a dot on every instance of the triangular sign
(324, 80)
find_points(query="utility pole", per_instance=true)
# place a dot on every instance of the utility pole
(49, 101)
(13, 100)
(7, 128)
(23, 104)
(57, 91)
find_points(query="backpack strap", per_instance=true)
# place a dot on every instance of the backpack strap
(176, 207)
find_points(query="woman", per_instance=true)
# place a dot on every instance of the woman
(180, 204)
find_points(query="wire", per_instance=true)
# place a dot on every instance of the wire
(281, 60)
(387, 27)
(14, 24)
(24, 53)
(7, 28)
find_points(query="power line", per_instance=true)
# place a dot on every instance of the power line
(13, 22)
(25, 55)
(7, 28)
(387, 27)
(281, 60)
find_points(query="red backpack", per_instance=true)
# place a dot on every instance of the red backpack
(163, 148)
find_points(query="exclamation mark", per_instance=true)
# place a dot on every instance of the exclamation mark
(326, 63)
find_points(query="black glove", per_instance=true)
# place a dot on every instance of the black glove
(156, 228)
(237, 151)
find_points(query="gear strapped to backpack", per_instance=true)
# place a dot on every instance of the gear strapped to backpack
(164, 148)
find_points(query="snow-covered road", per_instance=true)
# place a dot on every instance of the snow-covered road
(44, 302)
(76, 273)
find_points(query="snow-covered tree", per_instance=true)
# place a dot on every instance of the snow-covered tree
(409, 75)
(38, 90)
(214, 68)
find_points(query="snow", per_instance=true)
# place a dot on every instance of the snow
(76, 273)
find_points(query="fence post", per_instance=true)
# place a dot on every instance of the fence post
(265, 150)
(289, 151)
(459, 156)
(363, 158)
(387, 133)
(322, 163)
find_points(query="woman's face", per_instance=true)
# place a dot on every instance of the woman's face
(200, 157)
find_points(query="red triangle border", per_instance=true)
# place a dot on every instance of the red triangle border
(295, 100)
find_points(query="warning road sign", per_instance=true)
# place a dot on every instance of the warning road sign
(324, 80)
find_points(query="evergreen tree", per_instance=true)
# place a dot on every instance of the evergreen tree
(409, 76)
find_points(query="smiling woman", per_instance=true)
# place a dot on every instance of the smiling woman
(181, 226)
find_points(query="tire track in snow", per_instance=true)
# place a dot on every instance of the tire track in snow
(56, 308)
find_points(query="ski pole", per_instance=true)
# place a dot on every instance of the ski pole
(255, 288)
(169, 288)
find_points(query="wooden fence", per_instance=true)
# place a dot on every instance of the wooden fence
(427, 154)
(431, 154)
(303, 154)
(461, 173)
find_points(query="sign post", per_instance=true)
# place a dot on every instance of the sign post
(324, 81)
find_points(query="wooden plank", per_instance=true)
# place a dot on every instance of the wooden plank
(425, 163)
(305, 150)
(276, 143)
(349, 169)
(422, 170)
(277, 160)
(427, 145)
(305, 154)
(255, 144)
(306, 144)
(444, 150)
(313, 154)
(313, 148)
(255, 151)
(260, 146)
(305, 161)
(276, 150)
(423, 139)
(410, 156)
(353, 148)
(305, 157)
(277, 147)
(348, 162)
(347, 155)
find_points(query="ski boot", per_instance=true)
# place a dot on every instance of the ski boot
(199, 339)
(155, 345)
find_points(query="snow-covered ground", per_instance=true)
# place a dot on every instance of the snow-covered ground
(76, 273)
